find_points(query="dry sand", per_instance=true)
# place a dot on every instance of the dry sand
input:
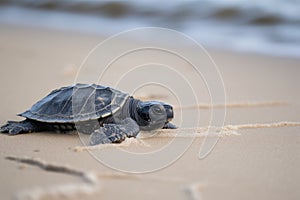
(258, 160)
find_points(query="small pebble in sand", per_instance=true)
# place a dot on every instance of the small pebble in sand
(21, 167)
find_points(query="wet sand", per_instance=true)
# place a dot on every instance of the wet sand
(259, 160)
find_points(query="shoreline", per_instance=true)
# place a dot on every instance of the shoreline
(270, 37)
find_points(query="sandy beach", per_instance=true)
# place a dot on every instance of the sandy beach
(248, 163)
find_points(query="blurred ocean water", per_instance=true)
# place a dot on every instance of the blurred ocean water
(259, 26)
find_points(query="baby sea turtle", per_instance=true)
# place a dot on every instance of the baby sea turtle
(109, 115)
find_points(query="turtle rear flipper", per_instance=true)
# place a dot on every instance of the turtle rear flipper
(26, 126)
(115, 133)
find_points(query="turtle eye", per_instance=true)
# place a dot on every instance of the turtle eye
(157, 110)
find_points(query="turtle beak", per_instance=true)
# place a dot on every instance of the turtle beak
(169, 112)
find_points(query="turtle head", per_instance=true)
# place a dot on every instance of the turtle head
(153, 114)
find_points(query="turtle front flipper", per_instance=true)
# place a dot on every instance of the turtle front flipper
(115, 133)
(26, 126)
(169, 125)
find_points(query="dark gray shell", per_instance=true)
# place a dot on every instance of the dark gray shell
(80, 102)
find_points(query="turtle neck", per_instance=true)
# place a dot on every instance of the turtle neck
(133, 103)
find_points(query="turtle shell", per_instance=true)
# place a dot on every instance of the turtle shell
(80, 102)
